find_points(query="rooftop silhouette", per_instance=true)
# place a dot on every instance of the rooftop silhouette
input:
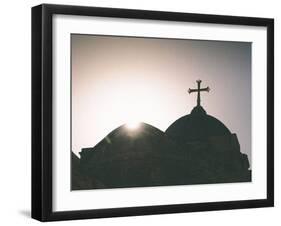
(196, 149)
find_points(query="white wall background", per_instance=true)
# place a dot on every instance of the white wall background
(15, 119)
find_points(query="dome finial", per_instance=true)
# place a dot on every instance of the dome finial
(198, 90)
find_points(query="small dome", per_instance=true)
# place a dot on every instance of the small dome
(196, 126)
(124, 141)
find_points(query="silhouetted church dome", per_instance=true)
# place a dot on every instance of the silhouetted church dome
(126, 157)
(123, 137)
(196, 126)
(145, 139)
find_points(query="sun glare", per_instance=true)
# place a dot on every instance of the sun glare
(133, 125)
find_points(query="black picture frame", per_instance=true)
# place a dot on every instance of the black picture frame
(42, 106)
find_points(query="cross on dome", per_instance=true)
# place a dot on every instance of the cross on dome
(198, 90)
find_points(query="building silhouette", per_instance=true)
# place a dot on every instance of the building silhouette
(195, 149)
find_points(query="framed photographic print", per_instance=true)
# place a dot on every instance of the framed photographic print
(145, 112)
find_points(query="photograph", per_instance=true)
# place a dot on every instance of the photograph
(141, 112)
(149, 111)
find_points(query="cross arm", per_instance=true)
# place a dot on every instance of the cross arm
(192, 90)
(207, 89)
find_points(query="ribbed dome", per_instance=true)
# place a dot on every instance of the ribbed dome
(196, 126)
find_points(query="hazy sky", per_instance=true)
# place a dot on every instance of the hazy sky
(116, 80)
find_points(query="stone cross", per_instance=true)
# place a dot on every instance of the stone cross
(198, 90)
